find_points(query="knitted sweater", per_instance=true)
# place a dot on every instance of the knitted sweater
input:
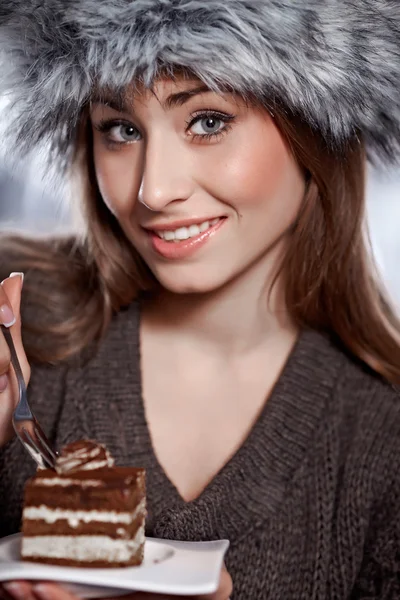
(310, 502)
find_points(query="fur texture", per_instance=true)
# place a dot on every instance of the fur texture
(334, 62)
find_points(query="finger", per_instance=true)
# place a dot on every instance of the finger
(10, 298)
(4, 595)
(7, 310)
(12, 288)
(143, 596)
(139, 595)
(224, 592)
(51, 591)
(148, 596)
(19, 590)
(4, 361)
(225, 588)
(8, 395)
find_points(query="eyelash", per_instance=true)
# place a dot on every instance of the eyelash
(205, 114)
(106, 125)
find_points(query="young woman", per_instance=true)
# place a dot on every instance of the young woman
(218, 320)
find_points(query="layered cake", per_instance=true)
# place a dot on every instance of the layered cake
(86, 513)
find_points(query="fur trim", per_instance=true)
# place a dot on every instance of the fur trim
(334, 62)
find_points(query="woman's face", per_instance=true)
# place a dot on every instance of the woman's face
(202, 184)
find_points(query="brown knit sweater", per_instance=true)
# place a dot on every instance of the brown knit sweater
(310, 502)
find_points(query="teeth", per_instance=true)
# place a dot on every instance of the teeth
(204, 226)
(168, 235)
(184, 233)
(194, 230)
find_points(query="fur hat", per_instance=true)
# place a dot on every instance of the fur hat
(335, 63)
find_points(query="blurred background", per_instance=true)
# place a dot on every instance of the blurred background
(26, 205)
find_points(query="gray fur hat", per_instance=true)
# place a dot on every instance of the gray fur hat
(335, 63)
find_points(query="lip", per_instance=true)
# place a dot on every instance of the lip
(185, 248)
(179, 223)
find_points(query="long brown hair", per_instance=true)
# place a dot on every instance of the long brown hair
(331, 283)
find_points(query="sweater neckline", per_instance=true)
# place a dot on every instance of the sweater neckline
(253, 483)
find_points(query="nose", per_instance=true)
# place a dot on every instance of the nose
(166, 174)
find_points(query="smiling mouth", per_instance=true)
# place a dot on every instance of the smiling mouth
(185, 233)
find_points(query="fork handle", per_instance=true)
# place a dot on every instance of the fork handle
(14, 356)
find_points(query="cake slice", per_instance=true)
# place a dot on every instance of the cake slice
(88, 513)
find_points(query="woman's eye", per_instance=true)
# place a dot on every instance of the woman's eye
(207, 125)
(123, 133)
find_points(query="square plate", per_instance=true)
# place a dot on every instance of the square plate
(169, 567)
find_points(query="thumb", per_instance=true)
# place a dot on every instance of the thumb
(225, 587)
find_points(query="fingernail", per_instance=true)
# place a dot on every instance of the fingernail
(18, 274)
(3, 383)
(42, 592)
(7, 316)
(15, 590)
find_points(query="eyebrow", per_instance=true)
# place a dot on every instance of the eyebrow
(179, 98)
(118, 103)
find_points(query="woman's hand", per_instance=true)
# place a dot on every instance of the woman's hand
(10, 299)
(23, 590)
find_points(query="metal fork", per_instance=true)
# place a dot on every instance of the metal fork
(25, 424)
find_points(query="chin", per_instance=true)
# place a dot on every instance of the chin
(191, 284)
(188, 287)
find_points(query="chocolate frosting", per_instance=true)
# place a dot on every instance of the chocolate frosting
(84, 455)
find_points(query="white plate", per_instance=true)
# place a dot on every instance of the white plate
(169, 567)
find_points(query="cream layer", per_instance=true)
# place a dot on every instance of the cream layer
(58, 481)
(75, 517)
(82, 547)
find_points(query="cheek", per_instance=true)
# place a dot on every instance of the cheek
(117, 179)
(259, 171)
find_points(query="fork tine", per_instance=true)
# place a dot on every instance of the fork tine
(43, 440)
(33, 447)
(25, 424)
(32, 444)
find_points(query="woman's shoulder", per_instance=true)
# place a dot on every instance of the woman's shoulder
(322, 360)
(359, 410)
(367, 448)
(365, 392)
(363, 415)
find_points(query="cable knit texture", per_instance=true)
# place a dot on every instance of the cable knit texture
(310, 502)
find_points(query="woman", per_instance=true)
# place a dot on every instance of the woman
(218, 321)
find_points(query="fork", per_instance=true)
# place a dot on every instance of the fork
(24, 422)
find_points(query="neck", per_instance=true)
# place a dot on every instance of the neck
(241, 316)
